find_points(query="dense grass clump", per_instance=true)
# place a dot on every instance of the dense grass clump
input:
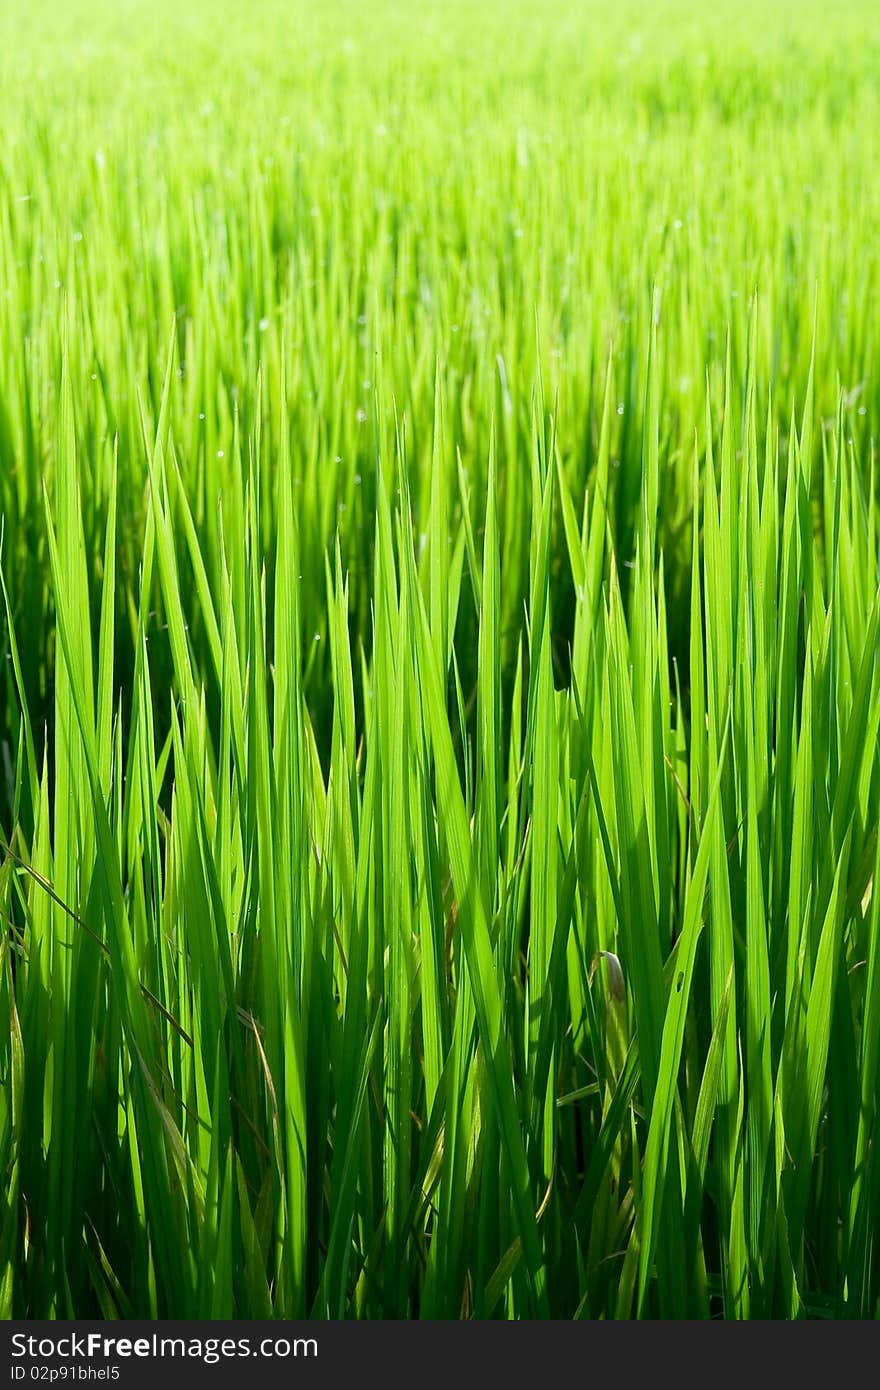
(439, 659)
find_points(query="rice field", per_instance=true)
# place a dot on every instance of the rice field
(439, 659)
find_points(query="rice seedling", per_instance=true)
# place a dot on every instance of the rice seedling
(439, 661)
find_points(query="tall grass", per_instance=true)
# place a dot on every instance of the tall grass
(440, 695)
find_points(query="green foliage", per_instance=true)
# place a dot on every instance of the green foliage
(439, 660)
